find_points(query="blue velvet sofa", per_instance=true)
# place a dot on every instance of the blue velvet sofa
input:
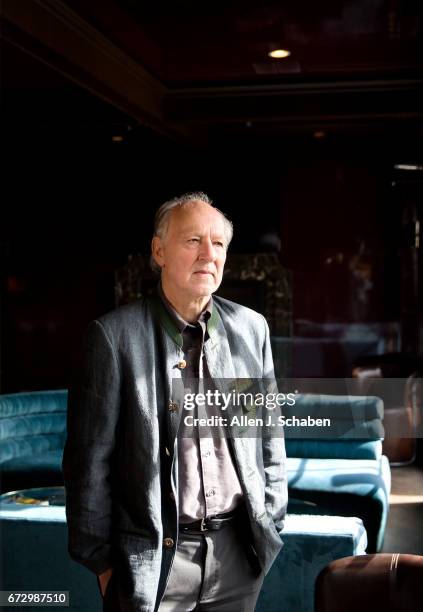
(345, 477)
(32, 438)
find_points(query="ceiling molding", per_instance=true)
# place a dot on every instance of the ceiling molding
(313, 87)
(297, 101)
(50, 31)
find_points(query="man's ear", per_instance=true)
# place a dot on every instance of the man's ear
(157, 250)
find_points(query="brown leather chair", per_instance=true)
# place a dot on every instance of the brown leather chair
(367, 583)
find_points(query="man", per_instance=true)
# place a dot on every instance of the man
(169, 522)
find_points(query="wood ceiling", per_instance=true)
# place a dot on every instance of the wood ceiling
(227, 42)
(187, 68)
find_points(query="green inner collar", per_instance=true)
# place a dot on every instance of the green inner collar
(169, 324)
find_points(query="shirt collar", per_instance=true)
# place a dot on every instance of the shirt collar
(176, 317)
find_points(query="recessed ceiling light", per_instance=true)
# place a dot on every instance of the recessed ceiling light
(279, 53)
(117, 138)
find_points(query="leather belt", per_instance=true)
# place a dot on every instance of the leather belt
(209, 523)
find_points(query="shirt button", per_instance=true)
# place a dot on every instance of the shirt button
(182, 364)
(210, 493)
(207, 454)
(168, 543)
(173, 406)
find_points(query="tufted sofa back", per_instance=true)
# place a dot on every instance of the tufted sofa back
(31, 423)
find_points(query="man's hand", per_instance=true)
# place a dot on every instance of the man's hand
(104, 580)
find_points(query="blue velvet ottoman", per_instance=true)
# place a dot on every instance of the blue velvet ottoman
(311, 542)
(34, 554)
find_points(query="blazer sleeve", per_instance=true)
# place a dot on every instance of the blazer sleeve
(93, 412)
(274, 454)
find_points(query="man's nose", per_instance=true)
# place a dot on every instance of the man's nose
(207, 250)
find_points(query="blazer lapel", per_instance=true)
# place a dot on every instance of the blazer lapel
(171, 345)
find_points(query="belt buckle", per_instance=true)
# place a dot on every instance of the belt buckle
(202, 525)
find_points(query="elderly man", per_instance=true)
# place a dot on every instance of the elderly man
(169, 522)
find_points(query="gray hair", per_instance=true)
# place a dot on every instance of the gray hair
(162, 217)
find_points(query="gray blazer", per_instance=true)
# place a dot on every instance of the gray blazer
(120, 457)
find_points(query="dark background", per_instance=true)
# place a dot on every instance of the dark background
(316, 170)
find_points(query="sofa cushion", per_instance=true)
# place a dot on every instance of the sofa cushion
(359, 476)
(334, 449)
(28, 447)
(348, 407)
(32, 423)
(346, 487)
(40, 462)
(31, 402)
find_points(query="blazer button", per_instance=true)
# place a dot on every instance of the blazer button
(173, 406)
(171, 495)
(182, 364)
(168, 543)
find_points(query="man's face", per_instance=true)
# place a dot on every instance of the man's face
(193, 252)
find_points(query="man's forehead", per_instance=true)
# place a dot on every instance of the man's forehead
(216, 227)
(190, 218)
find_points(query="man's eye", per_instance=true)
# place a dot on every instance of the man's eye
(219, 243)
(194, 240)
